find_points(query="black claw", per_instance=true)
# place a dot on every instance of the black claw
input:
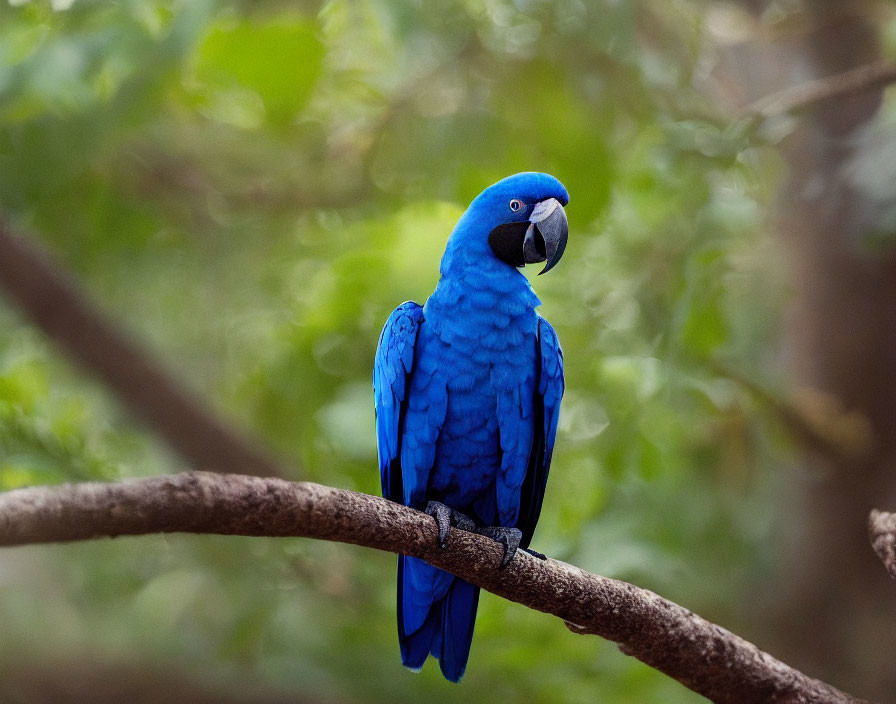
(446, 517)
(535, 553)
(442, 514)
(508, 537)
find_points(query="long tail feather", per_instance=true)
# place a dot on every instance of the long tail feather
(458, 617)
(436, 614)
(416, 644)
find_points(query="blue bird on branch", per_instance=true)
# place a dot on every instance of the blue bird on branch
(467, 391)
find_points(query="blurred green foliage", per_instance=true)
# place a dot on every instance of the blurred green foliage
(250, 188)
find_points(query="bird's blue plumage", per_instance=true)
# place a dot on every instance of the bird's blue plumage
(467, 391)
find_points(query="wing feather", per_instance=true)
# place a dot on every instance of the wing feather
(392, 369)
(548, 394)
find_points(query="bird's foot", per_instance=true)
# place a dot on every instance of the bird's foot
(446, 517)
(508, 537)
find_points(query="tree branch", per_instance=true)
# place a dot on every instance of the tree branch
(882, 531)
(55, 303)
(824, 89)
(704, 657)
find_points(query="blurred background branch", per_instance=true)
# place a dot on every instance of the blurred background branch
(52, 300)
(815, 419)
(838, 86)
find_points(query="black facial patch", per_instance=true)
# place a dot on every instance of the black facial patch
(506, 242)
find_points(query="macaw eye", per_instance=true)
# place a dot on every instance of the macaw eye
(516, 204)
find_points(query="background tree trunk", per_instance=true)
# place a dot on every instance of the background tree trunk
(832, 610)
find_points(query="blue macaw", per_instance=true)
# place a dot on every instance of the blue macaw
(467, 391)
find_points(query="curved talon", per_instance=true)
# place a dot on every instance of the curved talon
(535, 553)
(508, 537)
(442, 514)
(446, 517)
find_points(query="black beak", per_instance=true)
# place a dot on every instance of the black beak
(521, 243)
(554, 231)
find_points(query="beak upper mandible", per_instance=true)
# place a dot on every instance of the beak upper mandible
(549, 218)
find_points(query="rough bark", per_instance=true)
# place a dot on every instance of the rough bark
(704, 657)
(55, 303)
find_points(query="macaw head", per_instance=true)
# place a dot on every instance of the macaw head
(524, 218)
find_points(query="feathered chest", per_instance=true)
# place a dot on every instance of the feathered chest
(480, 338)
